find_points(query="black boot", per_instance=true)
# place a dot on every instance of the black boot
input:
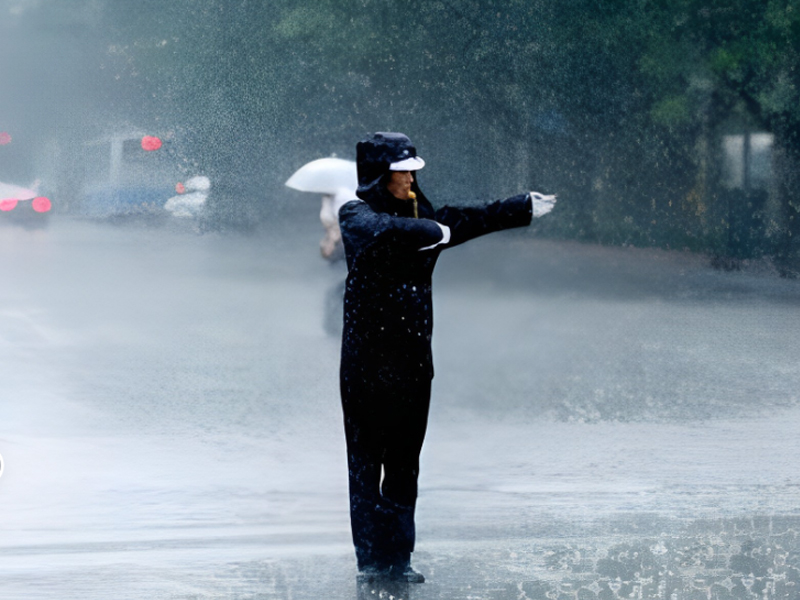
(405, 572)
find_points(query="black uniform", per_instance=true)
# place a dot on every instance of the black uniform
(386, 366)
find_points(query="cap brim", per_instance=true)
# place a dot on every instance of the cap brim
(415, 163)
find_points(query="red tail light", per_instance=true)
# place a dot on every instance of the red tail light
(150, 143)
(41, 204)
(7, 205)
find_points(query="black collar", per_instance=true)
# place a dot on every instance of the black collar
(380, 200)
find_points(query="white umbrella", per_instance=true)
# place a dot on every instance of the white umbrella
(325, 176)
(9, 191)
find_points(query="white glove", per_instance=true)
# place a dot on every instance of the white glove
(542, 204)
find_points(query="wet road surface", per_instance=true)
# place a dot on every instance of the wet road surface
(606, 422)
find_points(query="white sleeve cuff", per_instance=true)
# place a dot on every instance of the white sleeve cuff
(445, 237)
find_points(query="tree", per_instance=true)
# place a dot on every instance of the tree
(618, 106)
(713, 63)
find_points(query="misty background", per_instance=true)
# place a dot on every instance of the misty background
(666, 124)
(615, 405)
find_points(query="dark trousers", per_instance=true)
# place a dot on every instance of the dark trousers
(385, 421)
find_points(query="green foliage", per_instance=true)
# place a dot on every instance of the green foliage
(672, 111)
(618, 106)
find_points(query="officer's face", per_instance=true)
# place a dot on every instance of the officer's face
(399, 184)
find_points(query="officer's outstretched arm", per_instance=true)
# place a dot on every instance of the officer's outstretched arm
(468, 222)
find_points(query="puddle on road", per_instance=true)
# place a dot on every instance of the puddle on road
(720, 560)
(717, 559)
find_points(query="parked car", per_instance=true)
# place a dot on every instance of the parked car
(23, 206)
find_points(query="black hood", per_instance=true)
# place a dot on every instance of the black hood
(374, 155)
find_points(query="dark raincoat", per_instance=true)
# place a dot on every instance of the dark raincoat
(386, 366)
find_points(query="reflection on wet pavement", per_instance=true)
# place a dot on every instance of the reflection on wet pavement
(605, 424)
(384, 589)
(719, 560)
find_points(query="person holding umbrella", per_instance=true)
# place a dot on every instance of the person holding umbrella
(336, 180)
(392, 238)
